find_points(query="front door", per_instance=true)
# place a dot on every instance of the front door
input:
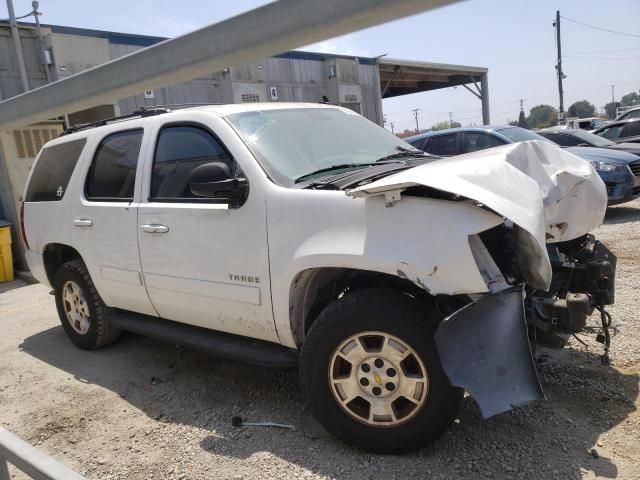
(105, 222)
(205, 262)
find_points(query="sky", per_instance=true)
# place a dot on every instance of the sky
(515, 39)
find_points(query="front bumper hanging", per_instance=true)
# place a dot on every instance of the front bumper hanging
(484, 348)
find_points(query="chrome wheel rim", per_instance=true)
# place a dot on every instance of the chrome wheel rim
(75, 307)
(378, 379)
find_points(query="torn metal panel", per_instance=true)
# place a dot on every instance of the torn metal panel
(551, 194)
(484, 348)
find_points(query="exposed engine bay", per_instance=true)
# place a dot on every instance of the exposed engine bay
(583, 281)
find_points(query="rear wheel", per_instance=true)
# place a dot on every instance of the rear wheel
(81, 310)
(371, 372)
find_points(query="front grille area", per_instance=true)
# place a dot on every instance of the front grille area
(635, 168)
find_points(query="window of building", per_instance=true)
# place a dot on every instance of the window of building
(249, 98)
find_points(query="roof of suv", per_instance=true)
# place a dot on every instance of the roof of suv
(222, 110)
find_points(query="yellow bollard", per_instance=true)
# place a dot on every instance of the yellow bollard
(6, 259)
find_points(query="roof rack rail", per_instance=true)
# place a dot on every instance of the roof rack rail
(145, 111)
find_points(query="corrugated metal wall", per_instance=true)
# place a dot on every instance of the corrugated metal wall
(200, 90)
(10, 84)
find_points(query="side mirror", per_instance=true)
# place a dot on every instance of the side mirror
(214, 180)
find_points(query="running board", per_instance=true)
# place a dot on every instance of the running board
(226, 345)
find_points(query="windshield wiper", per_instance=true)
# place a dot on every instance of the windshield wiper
(339, 167)
(404, 152)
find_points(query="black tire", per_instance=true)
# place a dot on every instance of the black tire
(100, 331)
(396, 314)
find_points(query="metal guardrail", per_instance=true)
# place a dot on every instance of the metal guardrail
(267, 30)
(35, 463)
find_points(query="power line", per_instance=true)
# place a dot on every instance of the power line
(600, 58)
(601, 51)
(600, 28)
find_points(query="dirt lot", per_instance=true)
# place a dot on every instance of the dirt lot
(142, 409)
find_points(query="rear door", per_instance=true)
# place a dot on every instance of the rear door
(205, 261)
(104, 221)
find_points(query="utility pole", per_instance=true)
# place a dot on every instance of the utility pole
(17, 44)
(35, 4)
(415, 115)
(450, 119)
(559, 67)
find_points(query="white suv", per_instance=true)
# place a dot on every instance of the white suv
(302, 234)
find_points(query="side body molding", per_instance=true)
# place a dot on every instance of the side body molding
(484, 349)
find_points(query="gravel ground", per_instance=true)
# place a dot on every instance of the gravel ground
(141, 409)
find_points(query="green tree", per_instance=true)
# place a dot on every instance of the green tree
(611, 108)
(522, 120)
(445, 125)
(582, 109)
(629, 99)
(542, 116)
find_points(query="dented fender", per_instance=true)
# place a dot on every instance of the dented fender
(484, 348)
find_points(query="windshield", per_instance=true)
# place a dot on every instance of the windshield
(518, 134)
(592, 139)
(291, 143)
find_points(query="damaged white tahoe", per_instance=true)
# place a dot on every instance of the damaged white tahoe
(304, 235)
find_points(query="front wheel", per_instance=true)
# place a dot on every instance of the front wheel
(371, 372)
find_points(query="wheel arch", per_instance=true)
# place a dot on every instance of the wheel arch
(56, 254)
(313, 289)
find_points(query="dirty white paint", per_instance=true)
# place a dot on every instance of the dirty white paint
(550, 193)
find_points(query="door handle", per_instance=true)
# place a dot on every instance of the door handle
(83, 222)
(155, 228)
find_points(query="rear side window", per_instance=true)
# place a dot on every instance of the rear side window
(631, 130)
(179, 150)
(53, 170)
(563, 140)
(444, 145)
(112, 175)
(480, 141)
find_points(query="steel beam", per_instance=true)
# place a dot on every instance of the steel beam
(484, 91)
(265, 31)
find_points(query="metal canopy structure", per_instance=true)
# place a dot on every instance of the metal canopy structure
(403, 77)
(274, 28)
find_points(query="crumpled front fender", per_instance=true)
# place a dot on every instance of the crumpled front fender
(484, 348)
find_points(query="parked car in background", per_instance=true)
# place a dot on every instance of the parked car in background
(589, 124)
(620, 171)
(571, 137)
(627, 114)
(621, 131)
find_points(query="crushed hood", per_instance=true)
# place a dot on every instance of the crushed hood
(548, 192)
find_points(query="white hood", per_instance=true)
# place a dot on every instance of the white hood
(548, 192)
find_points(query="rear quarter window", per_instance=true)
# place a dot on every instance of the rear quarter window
(53, 170)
